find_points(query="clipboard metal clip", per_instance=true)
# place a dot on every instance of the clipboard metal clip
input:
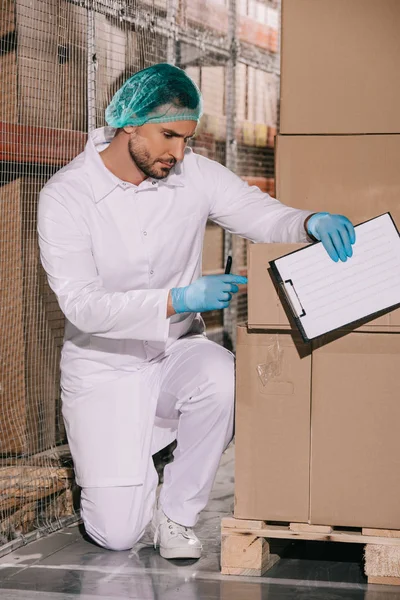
(292, 298)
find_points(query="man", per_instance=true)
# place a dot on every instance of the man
(121, 231)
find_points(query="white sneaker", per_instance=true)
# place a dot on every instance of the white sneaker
(175, 541)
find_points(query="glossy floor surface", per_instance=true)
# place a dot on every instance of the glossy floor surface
(67, 566)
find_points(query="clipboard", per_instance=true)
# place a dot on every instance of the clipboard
(323, 295)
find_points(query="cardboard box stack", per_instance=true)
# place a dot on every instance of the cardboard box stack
(316, 423)
(32, 327)
(45, 92)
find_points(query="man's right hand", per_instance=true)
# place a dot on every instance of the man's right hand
(336, 233)
(211, 292)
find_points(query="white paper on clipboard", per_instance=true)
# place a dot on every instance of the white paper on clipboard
(325, 295)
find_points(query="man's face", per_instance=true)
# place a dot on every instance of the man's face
(157, 147)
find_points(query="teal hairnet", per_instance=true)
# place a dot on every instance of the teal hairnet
(158, 94)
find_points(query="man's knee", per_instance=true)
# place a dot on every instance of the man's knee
(218, 367)
(111, 525)
(112, 534)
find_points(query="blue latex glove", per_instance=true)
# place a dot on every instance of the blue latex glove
(211, 292)
(335, 232)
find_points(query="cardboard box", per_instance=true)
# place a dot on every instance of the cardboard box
(72, 72)
(241, 92)
(205, 14)
(13, 385)
(8, 63)
(213, 249)
(357, 176)
(239, 254)
(111, 70)
(267, 308)
(339, 67)
(355, 457)
(38, 84)
(213, 90)
(272, 427)
(316, 429)
(51, 67)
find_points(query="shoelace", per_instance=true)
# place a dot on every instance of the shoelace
(175, 530)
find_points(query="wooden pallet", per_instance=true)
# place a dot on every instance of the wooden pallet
(32, 494)
(246, 551)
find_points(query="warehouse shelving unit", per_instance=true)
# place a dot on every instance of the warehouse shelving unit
(60, 62)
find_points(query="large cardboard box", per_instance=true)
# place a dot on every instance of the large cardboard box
(355, 457)
(272, 427)
(267, 308)
(357, 176)
(316, 429)
(339, 67)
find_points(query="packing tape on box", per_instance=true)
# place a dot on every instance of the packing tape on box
(273, 364)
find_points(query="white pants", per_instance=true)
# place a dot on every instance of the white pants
(196, 385)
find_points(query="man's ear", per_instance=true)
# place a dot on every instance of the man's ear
(129, 129)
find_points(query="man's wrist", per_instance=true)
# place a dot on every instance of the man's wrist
(306, 227)
(170, 309)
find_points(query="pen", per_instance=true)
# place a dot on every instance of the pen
(228, 265)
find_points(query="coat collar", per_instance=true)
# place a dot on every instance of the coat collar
(103, 182)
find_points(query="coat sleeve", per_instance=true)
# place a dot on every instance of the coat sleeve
(247, 211)
(66, 256)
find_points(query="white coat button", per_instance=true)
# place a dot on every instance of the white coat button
(146, 343)
(151, 272)
(154, 182)
(144, 232)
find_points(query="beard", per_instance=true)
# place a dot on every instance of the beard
(141, 157)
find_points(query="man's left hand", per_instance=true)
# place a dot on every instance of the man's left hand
(335, 232)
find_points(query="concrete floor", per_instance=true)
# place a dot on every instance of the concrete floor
(67, 566)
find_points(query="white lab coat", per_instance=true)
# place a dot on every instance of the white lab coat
(112, 251)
